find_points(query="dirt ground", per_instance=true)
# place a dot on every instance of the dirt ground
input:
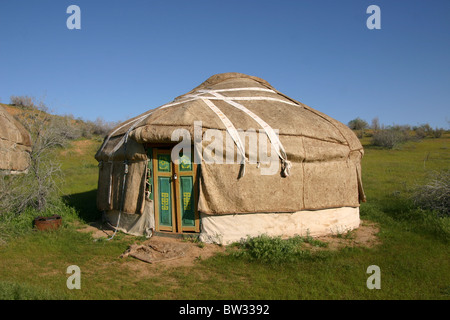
(175, 252)
(364, 236)
(169, 251)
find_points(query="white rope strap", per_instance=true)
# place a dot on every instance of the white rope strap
(124, 141)
(238, 89)
(193, 97)
(138, 120)
(285, 163)
(246, 98)
(231, 131)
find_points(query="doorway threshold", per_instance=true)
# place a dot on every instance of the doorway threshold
(187, 236)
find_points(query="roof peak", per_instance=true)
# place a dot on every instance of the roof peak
(220, 77)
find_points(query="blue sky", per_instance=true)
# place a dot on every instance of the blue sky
(132, 56)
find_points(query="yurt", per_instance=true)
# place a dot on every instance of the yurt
(232, 158)
(15, 145)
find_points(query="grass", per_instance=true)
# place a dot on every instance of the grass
(79, 187)
(275, 250)
(390, 178)
(413, 254)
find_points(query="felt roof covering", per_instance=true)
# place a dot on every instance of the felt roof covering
(15, 144)
(324, 155)
(290, 119)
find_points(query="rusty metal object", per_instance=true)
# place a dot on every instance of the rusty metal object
(48, 223)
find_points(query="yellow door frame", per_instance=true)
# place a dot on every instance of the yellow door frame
(177, 200)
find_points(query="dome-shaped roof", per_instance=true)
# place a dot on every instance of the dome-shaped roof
(288, 116)
(320, 155)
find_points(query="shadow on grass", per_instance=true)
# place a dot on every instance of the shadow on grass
(410, 217)
(85, 203)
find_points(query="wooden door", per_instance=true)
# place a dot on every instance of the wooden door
(175, 193)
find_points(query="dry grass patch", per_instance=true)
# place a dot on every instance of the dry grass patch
(364, 236)
(79, 148)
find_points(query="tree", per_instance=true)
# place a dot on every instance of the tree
(375, 124)
(358, 124)
(39, 186)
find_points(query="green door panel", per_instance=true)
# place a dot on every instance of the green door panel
(164, 162)
(185, 163)
(165, 201)
(187, 201)
(175, 192)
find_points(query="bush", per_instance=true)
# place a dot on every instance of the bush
(275, 250)
(434, 195)
(22, 101)
(375, 124)
(38, 187)
(438, 132)
(420, 132)
(268, 249)
(99, 127)
(13, 225)
(425, 130)
(390, 138)
(358, 125)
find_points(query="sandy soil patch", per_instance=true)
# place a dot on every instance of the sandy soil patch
(172, 251)
(161, 252)
(79, 147)
(165, 250)
(364, 236)
(97, 229)
(12, 110)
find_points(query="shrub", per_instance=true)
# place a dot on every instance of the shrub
(420, 132)
(13, 225)
(275, 250)
(35, 189)
(267, 249)
(375, 124)
(359, 125)
(39, 186)
(437, 133)
(434, 195)
(390, 138)
(99, 127)
(425, 130)
(22, 101)
(67, 127)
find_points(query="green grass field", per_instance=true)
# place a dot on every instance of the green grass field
(413, 252)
